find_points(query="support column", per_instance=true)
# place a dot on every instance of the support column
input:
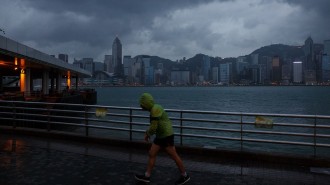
(1, 86)
(58, 82)
(45, 83)
(52, 84)
(31, 83)
(25, 77)
(77, 79)
(68, 80)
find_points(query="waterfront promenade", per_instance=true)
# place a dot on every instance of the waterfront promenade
(39, 160)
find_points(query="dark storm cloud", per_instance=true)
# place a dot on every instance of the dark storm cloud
(168, 28)
(92, 22)
(320, 6)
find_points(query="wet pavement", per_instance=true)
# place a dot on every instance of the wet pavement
(36, 160)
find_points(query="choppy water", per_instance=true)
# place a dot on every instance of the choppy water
(255, 99)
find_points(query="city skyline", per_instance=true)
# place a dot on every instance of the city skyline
(174, 30)
(276, 64)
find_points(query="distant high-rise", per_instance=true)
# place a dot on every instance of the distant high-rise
(225, 73)
(276, 69)
(254, 59)
(117, 58)
(63, 57)
(85, 63)
(206, 66)
(325, 68)
(109, 64)
(215, 75)
(128, 64)
(309, 54)
(326, 47)
(297, 72)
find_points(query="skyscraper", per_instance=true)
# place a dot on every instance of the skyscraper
(309, 54)
(117, 58)
(297, 72)
(206, 66)
(276, 69)
(109, 64)
(326, 47)
(225, 73)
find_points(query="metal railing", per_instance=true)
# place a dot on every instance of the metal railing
(284, 133)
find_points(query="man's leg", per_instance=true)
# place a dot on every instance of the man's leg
(174, 155)
(152, 158)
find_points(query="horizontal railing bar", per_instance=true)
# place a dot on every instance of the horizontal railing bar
(322, 135)
(208, 120)
(108, 128)
(285, 124)
(278, 133)
(111, 121)
(140, 124)
(209, 137)
(116, 115)
(323, 126)
(279, 142)
(249, 114)
(209, 129)
(43, 121)
(322, 145)
(114, 107)
(46, 109)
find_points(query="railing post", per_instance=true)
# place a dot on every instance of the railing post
(181, 130)
(130, 124)
(315, 137)
(48, 117)
(241, 132)
(86, 121)
(14, 115)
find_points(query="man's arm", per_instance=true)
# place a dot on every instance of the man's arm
(153, 126)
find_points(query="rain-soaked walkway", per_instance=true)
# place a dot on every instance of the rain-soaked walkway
(37, 160)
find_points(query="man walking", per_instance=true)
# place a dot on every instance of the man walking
(161, 126)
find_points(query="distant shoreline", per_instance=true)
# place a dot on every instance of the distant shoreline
(100, 86)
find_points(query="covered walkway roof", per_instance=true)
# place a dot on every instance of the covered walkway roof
(33, 59)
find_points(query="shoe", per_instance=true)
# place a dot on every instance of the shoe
(182, 180)
(142, 178)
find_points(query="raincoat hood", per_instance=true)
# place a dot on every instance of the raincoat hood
(147, 101)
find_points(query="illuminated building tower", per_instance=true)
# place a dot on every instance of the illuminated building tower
(117, 58)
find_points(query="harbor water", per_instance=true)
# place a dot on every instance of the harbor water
(304, 100)
(254, 99)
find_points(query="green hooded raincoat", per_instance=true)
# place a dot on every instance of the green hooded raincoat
(160, 124)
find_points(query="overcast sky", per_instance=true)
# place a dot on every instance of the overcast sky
(171, 29)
